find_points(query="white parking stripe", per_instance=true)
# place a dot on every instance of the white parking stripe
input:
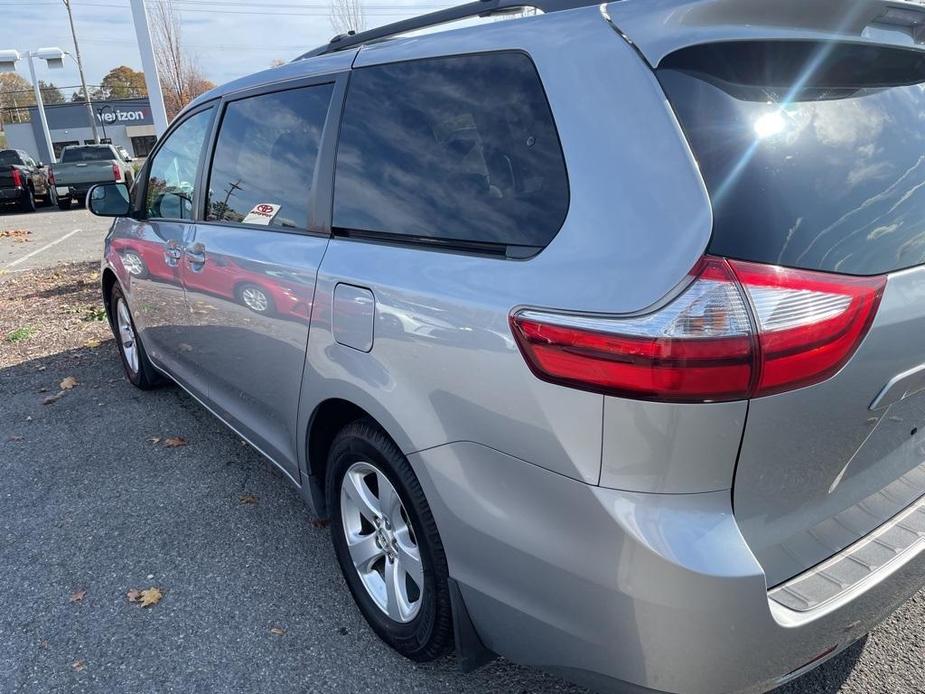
(40, 250)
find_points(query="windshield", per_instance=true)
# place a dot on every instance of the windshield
(9, 157)
(86, 154)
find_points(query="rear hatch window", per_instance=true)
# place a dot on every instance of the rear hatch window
(813, 153)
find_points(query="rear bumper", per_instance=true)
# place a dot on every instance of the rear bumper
(10, 194)
(633, 591)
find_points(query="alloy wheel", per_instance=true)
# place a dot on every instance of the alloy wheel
(381, 542)
(127, 340)
(255, 299)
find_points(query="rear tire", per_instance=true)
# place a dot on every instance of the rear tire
(64, 204)
(50, 198)
(27, 203)
(138, 368)
(421, 626)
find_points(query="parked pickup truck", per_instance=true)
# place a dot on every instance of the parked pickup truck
(22, 180)
(83, 166)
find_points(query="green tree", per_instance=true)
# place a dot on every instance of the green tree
(95, 95)
(16, 95)
(123, 83)
(50, 93)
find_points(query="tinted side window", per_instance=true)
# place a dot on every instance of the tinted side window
(172, 172)
(456, 149)
(265, 158)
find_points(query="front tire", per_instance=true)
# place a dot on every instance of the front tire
(138, 368)
(387, 544)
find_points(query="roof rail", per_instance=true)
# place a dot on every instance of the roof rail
(478, 8)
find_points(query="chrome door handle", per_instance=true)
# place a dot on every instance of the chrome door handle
(195, 258)
(172, 254)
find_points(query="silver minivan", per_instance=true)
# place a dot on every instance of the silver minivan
(598, 334)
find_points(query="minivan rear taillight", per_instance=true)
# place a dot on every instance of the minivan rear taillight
(17, 177)
(116, 173)
(737, 330)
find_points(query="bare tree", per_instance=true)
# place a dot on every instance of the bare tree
(180, 76)
(347, 16)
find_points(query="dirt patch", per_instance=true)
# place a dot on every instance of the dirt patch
(46, 312)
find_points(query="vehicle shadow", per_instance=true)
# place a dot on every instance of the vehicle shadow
(94, 499)
(829, 677)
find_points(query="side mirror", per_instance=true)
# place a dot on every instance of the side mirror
(109, 200)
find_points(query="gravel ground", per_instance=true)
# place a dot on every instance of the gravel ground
(94, 505)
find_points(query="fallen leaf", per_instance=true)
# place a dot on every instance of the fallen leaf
(248, 499)
(68, 383)
(40, 368)
(53, 398)
(14, 437)
(154, 439)
(133, 595)
(79, 665)
(174, 441)
(43, 643)
(151, 596)
(320, 522)
(78, 595)
(277, 631)
(16, 234)
(92, 343)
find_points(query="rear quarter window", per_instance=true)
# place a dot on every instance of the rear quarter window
(459, 150)
(813, 154)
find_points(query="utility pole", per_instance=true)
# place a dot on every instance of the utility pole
(149, 66)
(80, 69)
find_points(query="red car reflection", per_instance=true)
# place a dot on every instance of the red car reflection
(265, 290)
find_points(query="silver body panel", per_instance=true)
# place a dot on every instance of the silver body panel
(843, 469)
(624, 544)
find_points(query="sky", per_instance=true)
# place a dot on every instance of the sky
(230, 38)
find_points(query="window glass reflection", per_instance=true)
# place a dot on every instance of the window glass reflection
(172, 178)
(460, 148)
(821, 169)
(265, 158)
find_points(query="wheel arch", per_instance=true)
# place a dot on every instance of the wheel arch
(107, 282)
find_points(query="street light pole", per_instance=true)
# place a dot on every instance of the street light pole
(41, 108)
(80, 69)
(149, 66)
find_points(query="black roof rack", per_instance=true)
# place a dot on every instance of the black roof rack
(478, 8)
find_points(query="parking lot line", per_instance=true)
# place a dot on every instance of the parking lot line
(40, 250)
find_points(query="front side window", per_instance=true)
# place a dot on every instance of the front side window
(265, 158)
(458, 149)
(172, 173)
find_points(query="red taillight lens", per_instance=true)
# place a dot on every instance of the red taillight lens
(116, 173)
(697, 348)
(809, 323)
(703, 345)
(17, 178)
(51, 177)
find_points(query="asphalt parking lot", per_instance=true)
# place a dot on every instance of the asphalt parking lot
(54, 237)
(95, 504)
